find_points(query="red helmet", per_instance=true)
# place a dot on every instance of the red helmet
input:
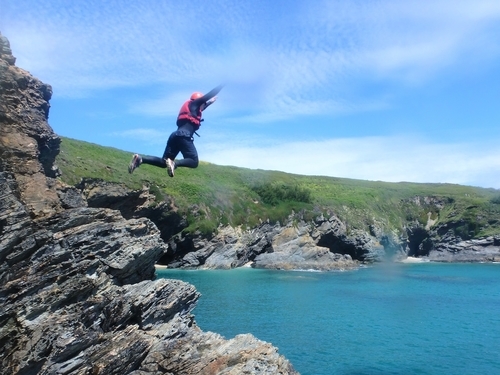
(196, 95)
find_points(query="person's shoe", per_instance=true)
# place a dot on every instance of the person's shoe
(170, 167)
(136, 161)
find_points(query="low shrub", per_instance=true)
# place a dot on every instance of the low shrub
(277, 192)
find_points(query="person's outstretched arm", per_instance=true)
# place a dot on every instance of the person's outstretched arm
(205, 99)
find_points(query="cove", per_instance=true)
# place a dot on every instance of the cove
(429, 318)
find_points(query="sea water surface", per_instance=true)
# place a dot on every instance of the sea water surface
(425, 318)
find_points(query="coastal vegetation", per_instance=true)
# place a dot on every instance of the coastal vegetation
(226, 195)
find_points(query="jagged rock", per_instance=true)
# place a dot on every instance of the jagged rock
(229, 248)
(71, 197)
(5, 51)
(358, 244)
(321, 245)
(267, 246)
(133, 203)
(486, 249)
(231, 357)
(294, 248)
(28, 146)
(104, 194)
(442, 245)
(15, 222)
(233, 247)
(76, 299)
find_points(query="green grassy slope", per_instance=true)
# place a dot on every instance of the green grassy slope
(240, 196)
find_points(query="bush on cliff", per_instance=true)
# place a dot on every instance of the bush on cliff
(275, 192)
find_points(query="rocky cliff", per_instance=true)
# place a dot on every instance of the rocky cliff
(77, 288)
(322, 244)
(28, 144)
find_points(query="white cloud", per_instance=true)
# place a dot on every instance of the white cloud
(392, 159)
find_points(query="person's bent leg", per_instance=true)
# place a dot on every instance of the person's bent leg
(172, 148)
(154, 160)
(138, 160)
(189, 154)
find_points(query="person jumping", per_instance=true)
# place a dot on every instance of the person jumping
(181, 140)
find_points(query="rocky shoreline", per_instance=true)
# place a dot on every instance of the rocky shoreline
(323, 244)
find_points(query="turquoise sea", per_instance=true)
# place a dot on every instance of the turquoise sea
(425, 318)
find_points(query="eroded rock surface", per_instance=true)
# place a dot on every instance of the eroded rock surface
(28, 145)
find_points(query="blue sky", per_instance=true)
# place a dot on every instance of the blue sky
(377, 90)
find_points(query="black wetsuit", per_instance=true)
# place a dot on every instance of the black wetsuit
(182, 139)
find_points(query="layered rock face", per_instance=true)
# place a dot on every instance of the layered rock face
(323, 244)
(289, 247)
(441, 243)
(77, 287)
(28, 146)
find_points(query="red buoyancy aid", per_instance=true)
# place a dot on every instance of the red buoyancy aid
(185, 114)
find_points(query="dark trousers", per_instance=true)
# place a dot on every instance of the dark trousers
(178, 141)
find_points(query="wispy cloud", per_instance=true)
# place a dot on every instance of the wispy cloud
(89, 46)
(405, 40)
